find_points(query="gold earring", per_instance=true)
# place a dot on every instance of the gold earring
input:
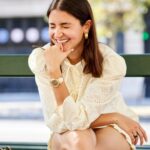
(86, 35)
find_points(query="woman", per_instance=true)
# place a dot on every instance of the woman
(78, 82)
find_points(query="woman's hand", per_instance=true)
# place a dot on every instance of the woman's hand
(133, 128)
(54, 56)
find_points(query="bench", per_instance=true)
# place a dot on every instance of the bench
(17, 66)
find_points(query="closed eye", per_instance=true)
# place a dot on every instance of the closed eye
(51, 27)
(66, 27)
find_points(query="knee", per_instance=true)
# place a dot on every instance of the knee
(80, 144)
(80, 140)
(76, 140)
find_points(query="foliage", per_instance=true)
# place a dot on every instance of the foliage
(118, 15)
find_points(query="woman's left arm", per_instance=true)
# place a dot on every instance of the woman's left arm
(133, 128)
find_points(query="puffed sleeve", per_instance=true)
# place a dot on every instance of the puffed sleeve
(36, 61)
(98, 94)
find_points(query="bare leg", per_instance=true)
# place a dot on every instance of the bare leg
(74, 140)
(55, 142)
(110, 139)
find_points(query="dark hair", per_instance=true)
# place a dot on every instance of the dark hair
(83, 12)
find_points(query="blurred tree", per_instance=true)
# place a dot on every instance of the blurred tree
(118, 15)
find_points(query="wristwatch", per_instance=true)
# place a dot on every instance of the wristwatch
(56, 82)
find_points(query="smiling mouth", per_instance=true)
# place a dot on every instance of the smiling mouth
(61, 41)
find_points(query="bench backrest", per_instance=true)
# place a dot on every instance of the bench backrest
(17, 65)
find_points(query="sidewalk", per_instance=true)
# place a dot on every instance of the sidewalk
(23, 131)
(33, 131)
(28, 106)
(21, 117)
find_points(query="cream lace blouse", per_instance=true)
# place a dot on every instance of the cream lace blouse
(89, 96)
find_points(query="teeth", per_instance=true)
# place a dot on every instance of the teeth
(61, 41)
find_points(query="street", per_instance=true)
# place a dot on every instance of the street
(33, 131)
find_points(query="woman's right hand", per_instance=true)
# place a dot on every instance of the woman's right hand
(133, 128)
(54, 56)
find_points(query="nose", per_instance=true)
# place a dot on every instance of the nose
(58, 33)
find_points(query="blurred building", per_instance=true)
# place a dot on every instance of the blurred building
(22, 24)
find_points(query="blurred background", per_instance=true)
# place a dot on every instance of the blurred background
(123, 25)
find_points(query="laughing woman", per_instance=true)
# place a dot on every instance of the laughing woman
(78, 81)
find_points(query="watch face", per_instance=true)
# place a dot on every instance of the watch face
(54, 82)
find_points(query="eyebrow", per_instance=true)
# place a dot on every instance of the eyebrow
(62, 24)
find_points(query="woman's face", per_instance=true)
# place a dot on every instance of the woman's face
(67, 30)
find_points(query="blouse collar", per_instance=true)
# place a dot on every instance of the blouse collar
(79, 66)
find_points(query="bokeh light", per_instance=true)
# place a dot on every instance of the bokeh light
(17, 35)
(45, 35)
(4, 35)
(32, 34)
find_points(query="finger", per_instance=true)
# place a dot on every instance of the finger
(61, 47)
(144, 134)
(132, 138)
(140, 136)
(58, 46)
(54, 42)
(135, 135)
(136, 140)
